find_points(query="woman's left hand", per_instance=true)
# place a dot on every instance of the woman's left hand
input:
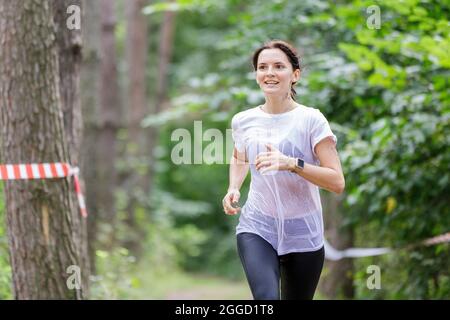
(273, 159)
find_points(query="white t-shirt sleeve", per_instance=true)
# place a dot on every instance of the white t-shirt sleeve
(237, 134)
(320, 129)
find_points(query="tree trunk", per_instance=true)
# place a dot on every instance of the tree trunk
(42, 220)
(337, 282)
(136, 60)
(69, 47)
(165, 53)
(69, 54)
(164, 56)
(90, 84)
(109, 121)
(137, 98)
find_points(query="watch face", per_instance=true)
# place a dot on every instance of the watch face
(300, 163)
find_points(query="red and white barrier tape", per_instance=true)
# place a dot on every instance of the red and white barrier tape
(438, 239)
(44, 171)
(334, 254)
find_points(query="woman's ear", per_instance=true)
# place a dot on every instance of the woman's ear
(296, 76)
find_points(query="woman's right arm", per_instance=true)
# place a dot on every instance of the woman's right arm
(239, 167)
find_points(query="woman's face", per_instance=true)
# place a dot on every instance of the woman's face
(274, 73)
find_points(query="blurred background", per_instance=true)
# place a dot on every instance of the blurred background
(378, 70)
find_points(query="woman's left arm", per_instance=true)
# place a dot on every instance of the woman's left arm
(328, 175)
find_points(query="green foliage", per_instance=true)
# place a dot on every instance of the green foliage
(175, 244)
(385, 92)
(198, 235)
(5, 268)
(387, 89)
(399, 178)
(114, 277)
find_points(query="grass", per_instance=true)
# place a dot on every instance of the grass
(177, 285)
(121, 278)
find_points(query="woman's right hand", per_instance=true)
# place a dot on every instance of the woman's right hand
(230, 199)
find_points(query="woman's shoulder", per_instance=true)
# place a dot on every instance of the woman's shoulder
(308, 110)
(311, 112)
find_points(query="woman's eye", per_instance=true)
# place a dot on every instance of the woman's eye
(265, 67)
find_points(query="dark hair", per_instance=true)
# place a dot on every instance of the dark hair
(290, 52)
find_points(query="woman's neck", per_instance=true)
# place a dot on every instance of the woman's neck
(277, 104)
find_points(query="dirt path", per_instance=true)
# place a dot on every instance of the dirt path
(212, 289)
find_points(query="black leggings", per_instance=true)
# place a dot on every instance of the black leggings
(300, 271)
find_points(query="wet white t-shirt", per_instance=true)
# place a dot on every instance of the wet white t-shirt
(282, 207)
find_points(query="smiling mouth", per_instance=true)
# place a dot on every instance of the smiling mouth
(271, 82)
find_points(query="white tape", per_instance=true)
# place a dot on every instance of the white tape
(335, 255)
(47, 170)
(22, 169)
(35, 169)
(10, 170)
(59, 170)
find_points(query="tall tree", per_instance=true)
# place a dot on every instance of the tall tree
(165, 53)
(161, 101)
(337, 282)
(69, 40)
(166, 40)
(42, 218)
(109, 118)
(136, 56)
(90, 101)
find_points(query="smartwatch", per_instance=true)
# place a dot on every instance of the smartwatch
(299, 163)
